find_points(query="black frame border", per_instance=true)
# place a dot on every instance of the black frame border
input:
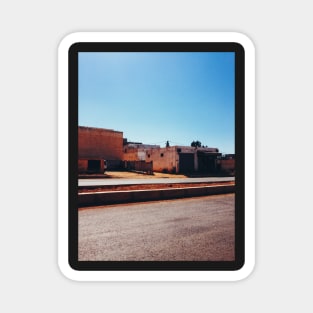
(73, 156)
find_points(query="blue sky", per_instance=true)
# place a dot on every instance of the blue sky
(153, 97)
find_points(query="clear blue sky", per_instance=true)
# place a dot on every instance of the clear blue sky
(155, 97)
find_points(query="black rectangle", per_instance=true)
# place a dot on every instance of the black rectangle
(74, 50)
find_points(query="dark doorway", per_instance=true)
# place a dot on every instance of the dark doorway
(206, 163)
(186, 163)
(94, 166)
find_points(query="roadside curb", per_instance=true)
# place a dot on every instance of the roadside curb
(116, 197)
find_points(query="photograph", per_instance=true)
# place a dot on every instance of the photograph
(156, 156)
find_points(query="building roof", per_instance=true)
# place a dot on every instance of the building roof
(98, 128)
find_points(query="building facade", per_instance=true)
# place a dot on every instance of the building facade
(227, 165)
(175, 159)
(96, 147)
(100, 149)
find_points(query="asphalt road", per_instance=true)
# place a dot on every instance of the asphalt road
(194, 229)
(129, 181)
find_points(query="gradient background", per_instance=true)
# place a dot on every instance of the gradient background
(30, 34)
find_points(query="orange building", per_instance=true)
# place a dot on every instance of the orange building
(97, 145)
(175, 159)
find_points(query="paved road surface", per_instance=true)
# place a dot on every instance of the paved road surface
(128, 181)
(187, 229)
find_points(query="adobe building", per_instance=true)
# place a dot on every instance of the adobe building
(137, 151)
(175, 159)
(226, 164)
(100, 148)
(95, 145)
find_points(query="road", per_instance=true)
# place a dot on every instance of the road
(194, 229)
(129, 181)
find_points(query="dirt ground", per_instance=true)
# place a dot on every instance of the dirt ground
(116, 174)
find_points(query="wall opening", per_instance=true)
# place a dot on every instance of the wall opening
(186, 163)
(94, 165)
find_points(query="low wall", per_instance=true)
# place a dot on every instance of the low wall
(140, 166)
(115, 197)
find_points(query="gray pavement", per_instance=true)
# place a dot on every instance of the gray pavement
(130, 181)
(194, 229)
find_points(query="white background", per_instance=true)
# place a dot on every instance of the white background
(30, 33)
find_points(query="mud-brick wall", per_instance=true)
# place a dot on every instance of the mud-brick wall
(82, 166)
(134, 154)
(99, 143)
(164, 159)
(227, 166)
